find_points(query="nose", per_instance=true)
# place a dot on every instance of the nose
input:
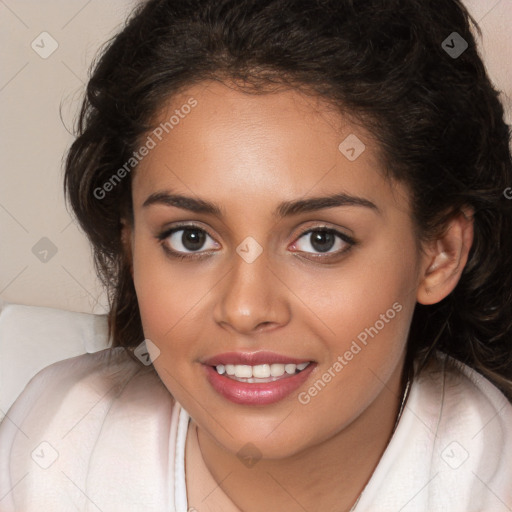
(252, 298)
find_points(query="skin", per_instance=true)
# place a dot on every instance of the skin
(233, 149)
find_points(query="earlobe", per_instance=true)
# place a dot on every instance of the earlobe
(445, 259)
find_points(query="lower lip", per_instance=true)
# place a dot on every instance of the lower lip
(263, 393)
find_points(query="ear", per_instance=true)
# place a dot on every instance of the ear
(445, 259)
(126, 240)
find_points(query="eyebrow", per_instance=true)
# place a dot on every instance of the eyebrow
(284, 209)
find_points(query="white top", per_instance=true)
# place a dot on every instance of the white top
(101, 432)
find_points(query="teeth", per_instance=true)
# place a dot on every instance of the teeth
(243, 371)
(290, 368)
(276, 369)
(260, 371)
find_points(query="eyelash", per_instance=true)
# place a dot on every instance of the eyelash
(198, 255)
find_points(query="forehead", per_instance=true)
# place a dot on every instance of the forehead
(239, 147)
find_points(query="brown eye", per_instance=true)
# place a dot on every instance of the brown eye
(323, 240)
(186, 239)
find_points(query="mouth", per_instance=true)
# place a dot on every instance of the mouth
(263, 383)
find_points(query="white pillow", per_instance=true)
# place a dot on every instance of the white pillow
(32, 337)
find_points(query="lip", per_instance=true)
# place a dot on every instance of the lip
(252, 358)
(263, 393)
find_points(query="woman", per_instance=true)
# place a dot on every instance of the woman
(298, 211)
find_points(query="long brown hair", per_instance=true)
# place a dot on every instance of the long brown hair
(392, 64)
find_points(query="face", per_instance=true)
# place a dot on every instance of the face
(268, 276)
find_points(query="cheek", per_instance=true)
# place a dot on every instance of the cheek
(158, 292)
(369, 315)
(170, 294)
(345, 301)
(383, 297)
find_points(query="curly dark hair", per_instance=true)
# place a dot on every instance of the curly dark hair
(436, 116)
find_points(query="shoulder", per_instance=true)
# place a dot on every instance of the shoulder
(469, 437)
(452, 449)
(453, 400)
(67, 416)
(55, 382)
(470, 402)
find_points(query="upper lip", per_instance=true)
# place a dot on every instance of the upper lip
(252, 358)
